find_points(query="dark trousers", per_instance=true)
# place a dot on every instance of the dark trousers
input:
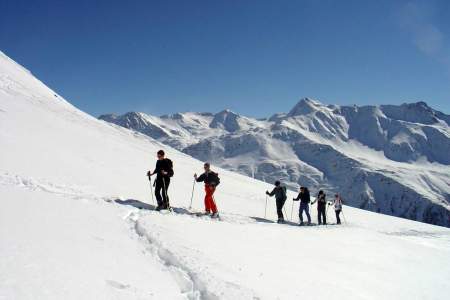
(338, 212)
(280, 203)
(304, 207)
(321, 215)
(161, 193)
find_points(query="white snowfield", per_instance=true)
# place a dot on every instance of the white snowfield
(70, 228)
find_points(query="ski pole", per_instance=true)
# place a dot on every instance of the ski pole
(326, 215)
(151, 190)
(292, 209)
(342, 211)
(192, 195)
(310, 209)
(265, 209)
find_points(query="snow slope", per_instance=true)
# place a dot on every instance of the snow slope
(389, 159)
(70, 228)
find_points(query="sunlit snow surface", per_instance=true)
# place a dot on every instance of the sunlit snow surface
(71, 228)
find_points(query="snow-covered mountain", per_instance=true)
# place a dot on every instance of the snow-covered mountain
(70, 227)
(392, 159)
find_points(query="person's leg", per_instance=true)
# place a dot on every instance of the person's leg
(165, 192)
(324, 215)
(302, 208)
(212, 203)
(300, 213)
(279, 209)
(338, 219)
(158, 188)
(207, 200)
(319, 216)
(307, 213)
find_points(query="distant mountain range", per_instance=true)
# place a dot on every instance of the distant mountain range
(392, 159)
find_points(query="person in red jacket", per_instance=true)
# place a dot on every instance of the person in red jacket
(211, 180)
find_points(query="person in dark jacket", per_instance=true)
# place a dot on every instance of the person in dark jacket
(304, 198)
(163, 171)
(211, 180)
(321, 207)
(280, 196)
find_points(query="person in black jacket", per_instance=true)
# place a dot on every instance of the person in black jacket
(280, 196)
(211, 180)
(304, 198)
(321, 207)
(163, 171)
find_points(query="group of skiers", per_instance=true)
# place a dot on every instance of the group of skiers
(280, 193)
(164, 171)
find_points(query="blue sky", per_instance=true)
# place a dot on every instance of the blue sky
(254, 57)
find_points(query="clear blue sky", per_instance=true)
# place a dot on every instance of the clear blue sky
(254, 57)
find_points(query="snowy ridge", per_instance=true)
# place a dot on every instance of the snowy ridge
(76, 222)
(391, 159)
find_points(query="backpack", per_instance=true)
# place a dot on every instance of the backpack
(284, 190)
(170, 165)
(214, 179)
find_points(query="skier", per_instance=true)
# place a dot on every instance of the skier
(321, 207)
(280, 196)
(211, 180)
(304, 198)
(163, 171)
(337, 207)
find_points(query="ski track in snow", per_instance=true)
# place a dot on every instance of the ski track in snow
(193, 283)
(190, 282)
(45, 186)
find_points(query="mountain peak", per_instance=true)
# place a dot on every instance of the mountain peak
(227, 120)
(226, 111)
(304, 106)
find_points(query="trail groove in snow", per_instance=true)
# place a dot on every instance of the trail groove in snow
(46, 186)
(191, 281)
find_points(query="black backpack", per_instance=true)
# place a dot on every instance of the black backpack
(170, 165)
(214, 179)
(284, 190)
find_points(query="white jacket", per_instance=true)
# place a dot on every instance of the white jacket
(337, 203)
